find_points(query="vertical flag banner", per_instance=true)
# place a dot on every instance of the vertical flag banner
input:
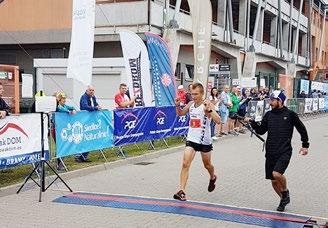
(173, 40)
(79, 66)
(162, 71)
(137, 68)
(201, 14)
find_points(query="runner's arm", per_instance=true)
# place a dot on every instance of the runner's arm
(181, 111)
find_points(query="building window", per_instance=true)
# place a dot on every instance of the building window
(189, 71)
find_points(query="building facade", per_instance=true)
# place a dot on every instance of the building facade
(276, 41)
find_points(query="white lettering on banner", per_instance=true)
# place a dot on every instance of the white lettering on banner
(160, 131)
(130, 124)
(130, 135)
(182, 119)
(160, 120)
(181, 128)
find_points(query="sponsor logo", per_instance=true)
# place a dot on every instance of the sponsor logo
(73, 133)
(182, 119)
(166, 80)
(10, 141)
(160, 117)
(129, 121)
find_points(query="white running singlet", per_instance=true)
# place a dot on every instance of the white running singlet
(199, 126)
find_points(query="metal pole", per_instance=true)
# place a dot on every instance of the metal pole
(259, 6)
(297, 30)
(290, 28)
(232, 40)
(280, 29)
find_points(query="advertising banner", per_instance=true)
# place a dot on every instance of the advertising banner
(138, 125)
(308, 105)
(321, 103)
(20, 140)
(326, 103)
(131, 125)
(162, 71)
(79, 66)
(166, 123)
(315, 104)
(83, 132)
(137, 68)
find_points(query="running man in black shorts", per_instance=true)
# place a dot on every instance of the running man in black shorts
(199, 136)
(280, 123)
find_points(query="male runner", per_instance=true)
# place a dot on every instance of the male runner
(199, 136)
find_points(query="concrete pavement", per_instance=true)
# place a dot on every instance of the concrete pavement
(239, 164)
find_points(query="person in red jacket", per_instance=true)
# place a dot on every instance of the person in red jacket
(182, 95)
(122, 100)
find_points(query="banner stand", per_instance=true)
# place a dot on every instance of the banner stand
(62, 161)
(102, 153)
(42, 164)
(121, 151)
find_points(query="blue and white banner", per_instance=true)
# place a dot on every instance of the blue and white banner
(308, 105)
(305, 86)
(321, 104)
(138, 125)
(83, 132)
(162, 71)
(326, 103)
(20, 140)
(165, 123)
(131, 125)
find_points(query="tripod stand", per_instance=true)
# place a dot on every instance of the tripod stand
(42, 163)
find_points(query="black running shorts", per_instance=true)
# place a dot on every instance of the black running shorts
(200, 147)
(277, 164)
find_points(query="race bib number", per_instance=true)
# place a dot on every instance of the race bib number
(195, 123)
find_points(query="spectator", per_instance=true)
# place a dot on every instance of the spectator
(214, 98)
(254, 94)
(188, 94)
(89, 103)
(122, 100)
(314, 94)
(243, 105)
(88, 100)
(182, 95)
(233, 110)
(62, 107)
(302, 94)
(225, 104)
(4, 108)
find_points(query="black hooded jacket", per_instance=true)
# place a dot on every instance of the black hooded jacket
(280, 123)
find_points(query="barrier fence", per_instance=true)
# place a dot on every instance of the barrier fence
(20, 136)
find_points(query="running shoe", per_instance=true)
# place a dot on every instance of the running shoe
(180, 195)
(211, 184)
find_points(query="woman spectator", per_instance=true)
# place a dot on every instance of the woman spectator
(215, 99)
(63, 107)
(243, 105)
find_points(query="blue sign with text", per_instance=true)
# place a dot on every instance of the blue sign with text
(83, 132)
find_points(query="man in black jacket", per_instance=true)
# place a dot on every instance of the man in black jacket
(280, 123)
(4, 108)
